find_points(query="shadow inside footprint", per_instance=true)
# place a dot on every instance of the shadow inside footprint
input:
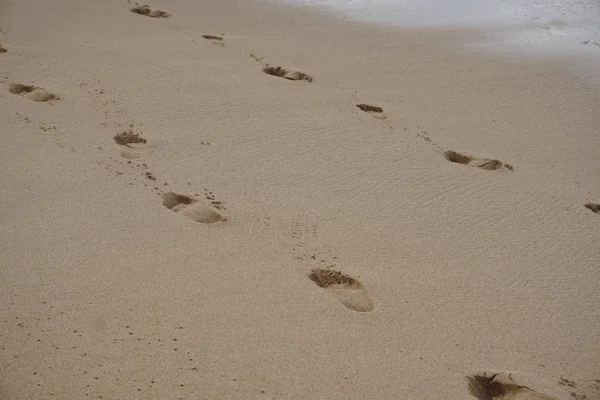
(146, 10)
(2, 49)
(376, 112)
(126, 138)
(593, 207)
(502, 387)
(350, 291)
(368, 108)
(483, 163)
(31, 92)
(192, 208)
(211, 37)
(286, 73)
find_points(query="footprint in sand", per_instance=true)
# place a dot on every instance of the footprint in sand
(350, 291)
(595, 208)
(287, 73)
(192, 208)
(217, 40)
(212, 37)
(483, 163)
(146, 10)
(132, 141)
(2, 50)
(31, 92)
(502, 386)
(374, 111)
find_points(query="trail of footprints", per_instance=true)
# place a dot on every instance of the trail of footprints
(350, 292)
(190, 206)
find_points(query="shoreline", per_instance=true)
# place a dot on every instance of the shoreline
(170, 202)
(529, 33)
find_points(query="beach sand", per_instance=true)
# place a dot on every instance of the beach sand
(178, 224)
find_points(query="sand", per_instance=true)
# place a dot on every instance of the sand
(178, 266)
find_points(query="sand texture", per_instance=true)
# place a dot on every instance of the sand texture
(385, 216)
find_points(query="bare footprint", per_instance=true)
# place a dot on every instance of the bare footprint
(483, 163)
(146, 10)
(287, 73)
(374, 111)
(502, 386)
(192, 208)
(216, 40)
(212, 37)
(133, 143)
(128, 137)
(31, 92)
(593, 207)
(350, 291)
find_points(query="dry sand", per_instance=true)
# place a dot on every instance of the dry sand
(177, 266)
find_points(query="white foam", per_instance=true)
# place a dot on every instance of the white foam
(524, 27)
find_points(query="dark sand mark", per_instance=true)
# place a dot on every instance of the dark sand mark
(133, 143)
(575, 390)
(211, 37)
(255, 57)
(286, 73)
(192, 208)
(567, 382)
(350, 291)
(501, 386)
(31, 92)
(483, 163)
(594, 207)
(146, 10)
(126, 138)
(374, 111)
(368, 108)
(2, 49)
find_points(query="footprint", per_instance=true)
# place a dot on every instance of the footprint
(192, 208)
(351, 292)
(287, 73)
(502, 386)
(216, 40)
(132, 141)
(211, 37)
(483, 163)
(128, 137)
(594, 207)
(34, 93)
(146, 10)
(376, 112)
(2, 49)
